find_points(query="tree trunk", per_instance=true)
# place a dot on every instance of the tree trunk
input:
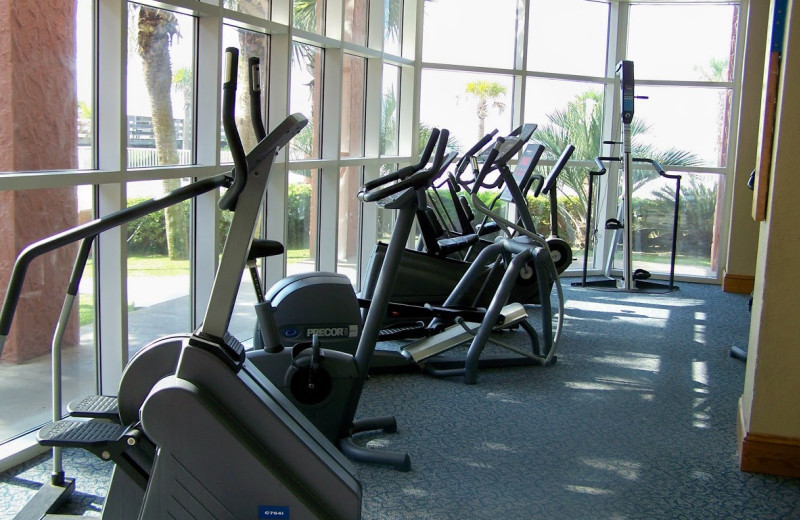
(156, 28)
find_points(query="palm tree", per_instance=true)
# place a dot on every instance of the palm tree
(486, 93)
(156, 29)
(580, 124)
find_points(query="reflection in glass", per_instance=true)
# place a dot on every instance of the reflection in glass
(390, 110)
(259, 8)
(309, 15)
(355, 21)
(348, 229)
(353, 105)
(393, 28)
(306, 98)
(160, 87)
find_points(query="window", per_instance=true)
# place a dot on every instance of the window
(309, 15)
(348, 227)
(390, 110)
(160, 87)
(393, 28)
(568, 37)
(306, 98)
(470, 105)
(355, 21)
(353, 108)
(470, 32)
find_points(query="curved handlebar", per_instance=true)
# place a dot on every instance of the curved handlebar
(488, 166)
(255, 97)
(419, 179)
(601, 168)
(464, 161)
(547, 184)
(90, 230)
(657, 167)
(405, 171)
(228, 199)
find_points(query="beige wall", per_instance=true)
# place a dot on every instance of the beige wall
(741, 255)
(771, 398)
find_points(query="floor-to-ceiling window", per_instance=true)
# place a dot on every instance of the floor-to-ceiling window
(371, 84)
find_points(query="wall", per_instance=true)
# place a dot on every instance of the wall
(741, 255)
(38, 112)
(768, 420)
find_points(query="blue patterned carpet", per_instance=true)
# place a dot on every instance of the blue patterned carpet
(636, 420)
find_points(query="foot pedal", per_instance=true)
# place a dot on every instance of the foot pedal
(95, 407)
(641, 274)
(402, 330)
(69, 433)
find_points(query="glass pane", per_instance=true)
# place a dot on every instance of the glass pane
(468, 104)
(160, 87)
(250, 44)
(393, 28)
(309, 15)
(468, 32)
(699, 223)
(85, 83)
(355, 21)
(306, 98)
(390, 110)
(243, 318)
(158, 266)
(26, 356)
(348, 228)
(686, 126)
(386, 217)
(301, 221)
(567, 112)
(354, 78)
(50, 85)
(701, 49)
(584, 53)
(258, 8)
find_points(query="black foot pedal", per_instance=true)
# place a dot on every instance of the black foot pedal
(613, 223)
(95, 407)
(641, 274)
(402, 331)
(69, 433)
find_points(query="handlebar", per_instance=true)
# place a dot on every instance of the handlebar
(91, 230)
(464, 161)
(657, 167)
(229, 198)
(550, 180)
(419, 179)
(255, 97)
(404, 172)
(488, 166)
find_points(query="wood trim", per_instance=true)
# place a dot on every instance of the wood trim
(769, 454)
(738, 283)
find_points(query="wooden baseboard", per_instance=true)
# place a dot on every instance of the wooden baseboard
(738, 283)
(769, 454)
